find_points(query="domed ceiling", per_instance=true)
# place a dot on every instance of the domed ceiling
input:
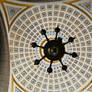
(24, 22)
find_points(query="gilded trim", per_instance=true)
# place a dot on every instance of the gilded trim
(5, 14)
(14, 81)
(12, 85)
(2, 3)
(17, 4)
(2, 0)
(70, 3)
(40, 50)
(17, 16)
(85, 86)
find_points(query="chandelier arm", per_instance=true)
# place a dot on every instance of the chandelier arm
(34, 45)
(56, 36)
(71, 39)
(51, 63)
(57, 30)
(46, 37)
(73, 54)
(37, 61)
(68, 53)
(40, 46)
(49, 69)
(42, 58)
(61, 62)
(64, 67)
(65, 43)
(43, 32)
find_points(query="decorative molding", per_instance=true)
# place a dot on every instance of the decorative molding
(73, 3)
(14, 84)
(12, 10)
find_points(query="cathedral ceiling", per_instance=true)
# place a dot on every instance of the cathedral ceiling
(24, 21)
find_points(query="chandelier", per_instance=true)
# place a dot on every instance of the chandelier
(54, 49)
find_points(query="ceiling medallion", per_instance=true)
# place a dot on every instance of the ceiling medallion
(54, 50)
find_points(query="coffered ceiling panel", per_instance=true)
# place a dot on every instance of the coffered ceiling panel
(24, 22)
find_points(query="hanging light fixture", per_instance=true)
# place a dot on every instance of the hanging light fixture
(54, 50)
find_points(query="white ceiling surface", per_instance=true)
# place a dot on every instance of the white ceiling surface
(48, 16)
